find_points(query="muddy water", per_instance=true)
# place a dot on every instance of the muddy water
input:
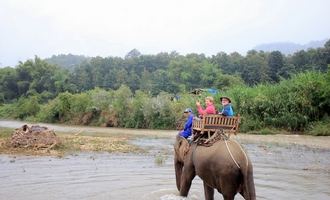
(291, 172)
(280, 172)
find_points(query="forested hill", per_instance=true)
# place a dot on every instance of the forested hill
(169, 72)
(289, 47)
(68, 61)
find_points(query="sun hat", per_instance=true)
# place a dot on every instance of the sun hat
(187, 110)
(225, 98)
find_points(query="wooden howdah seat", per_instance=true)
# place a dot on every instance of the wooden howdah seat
(212, 123)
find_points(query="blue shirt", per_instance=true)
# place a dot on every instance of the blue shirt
(227, 111)
(187, 126)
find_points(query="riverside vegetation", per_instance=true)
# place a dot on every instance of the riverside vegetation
(271, 91)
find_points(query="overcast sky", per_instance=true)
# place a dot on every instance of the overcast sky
(113, 28)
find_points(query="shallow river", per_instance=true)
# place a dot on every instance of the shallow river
(280, 172)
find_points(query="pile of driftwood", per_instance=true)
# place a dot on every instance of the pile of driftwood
(36, 137)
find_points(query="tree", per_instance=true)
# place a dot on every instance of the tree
(8, 84)
(122, 101)
(133, 54)
(275, 64)
(225, 62)
(68, 61)
(327, 52)
(300, 60)
(161, 82)
(82, 77)
(255, 68)
(146, 82)
(133, 81)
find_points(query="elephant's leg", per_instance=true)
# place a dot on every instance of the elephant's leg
(229, 191)
(188, 174)
(208, 191)
(228, 197)
(229, 186)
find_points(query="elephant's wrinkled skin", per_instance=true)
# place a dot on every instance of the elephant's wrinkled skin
(215, 167)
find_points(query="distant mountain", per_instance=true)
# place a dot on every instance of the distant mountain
(68, 61)
(289, 47)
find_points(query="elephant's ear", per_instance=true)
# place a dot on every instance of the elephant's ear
(186, 150)
(185, 147)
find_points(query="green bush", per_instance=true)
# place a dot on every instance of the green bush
(320, 128)
(56, 110)
(136, 118)
(7, 111)
(27, 106)
(291, 104)
(247, 124)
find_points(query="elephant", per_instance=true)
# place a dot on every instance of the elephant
(223, 166)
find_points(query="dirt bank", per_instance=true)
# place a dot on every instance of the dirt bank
(73, 142)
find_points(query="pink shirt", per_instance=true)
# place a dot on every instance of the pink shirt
(210, 109)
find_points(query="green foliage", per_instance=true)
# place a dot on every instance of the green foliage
(157, 112)
(294, 104)
(291, 104)
(23, 108)
(275, 63)
(32, 77)
(27, 107)
(320, 128)
(121, 104)
(66, 61)
(139, 110)
(58, 109)
(49, 112)
(100, 99)
(248, 123)
(266, 131)
(7, 111)
(8, 84)
(164, 72)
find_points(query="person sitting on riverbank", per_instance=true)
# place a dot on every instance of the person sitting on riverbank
(227, 109)
(186, 132)
(210, 108)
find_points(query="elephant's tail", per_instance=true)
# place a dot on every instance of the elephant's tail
(248, 182)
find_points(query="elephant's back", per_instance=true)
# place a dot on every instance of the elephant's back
(217, 150)
(216, 156)
(214, 164)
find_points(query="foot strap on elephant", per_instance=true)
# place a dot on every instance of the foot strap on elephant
(203, 139)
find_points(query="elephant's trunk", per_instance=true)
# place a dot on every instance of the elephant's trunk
(181, 147)
(178, 172)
